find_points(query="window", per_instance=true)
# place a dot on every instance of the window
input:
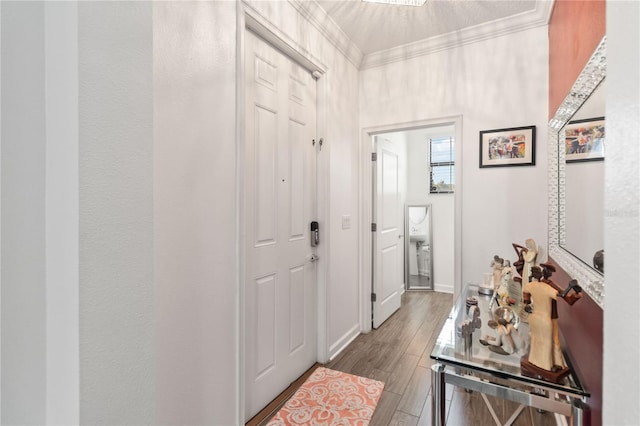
(441, 158)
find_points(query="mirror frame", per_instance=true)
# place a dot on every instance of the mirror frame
(589, 79)
(407, 243)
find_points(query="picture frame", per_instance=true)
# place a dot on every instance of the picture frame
(584, 140)
(515, 146)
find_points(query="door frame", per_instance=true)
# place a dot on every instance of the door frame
(249, 19)
(366, 205)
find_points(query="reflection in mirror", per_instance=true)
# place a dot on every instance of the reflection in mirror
(561, 209)
(418, 250)
(584, 138)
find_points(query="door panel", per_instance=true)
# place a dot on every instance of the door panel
(266, 327)
(297, 298)
(388, 275)
(265, 175)
(390, 190)
(389, 272)
(297, 178)
(279, 197)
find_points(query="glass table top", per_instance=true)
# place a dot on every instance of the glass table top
(450, 346)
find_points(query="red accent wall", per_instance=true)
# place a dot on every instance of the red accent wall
(581, 326)
(575, 29)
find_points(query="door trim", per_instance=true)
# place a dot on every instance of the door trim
(249, 19)
(366, 206)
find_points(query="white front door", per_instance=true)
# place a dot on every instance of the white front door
(388, 237)
(279, 200)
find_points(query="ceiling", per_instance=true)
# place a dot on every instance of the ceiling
(374, 27)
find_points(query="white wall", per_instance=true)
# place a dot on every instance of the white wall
(62, 213)
(194, 188)
(622, 220)
(496, 83)
(40, 368)
(1, 317)
(23, 274)
(417, 167)
(343, 297)
(117, 355)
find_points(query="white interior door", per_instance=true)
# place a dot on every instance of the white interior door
(279, 200)
(388, 237)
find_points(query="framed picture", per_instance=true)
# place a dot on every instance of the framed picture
(508, 147)
(584, 140)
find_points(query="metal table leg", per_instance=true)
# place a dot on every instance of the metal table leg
(438, 399)
(580, 414)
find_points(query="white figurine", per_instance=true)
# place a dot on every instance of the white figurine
(503, 289)
(497, 264)
(508, 340)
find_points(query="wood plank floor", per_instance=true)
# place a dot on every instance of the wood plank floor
(398, 352)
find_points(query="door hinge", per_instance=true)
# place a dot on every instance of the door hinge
(374, 156)
(320, 142)
(374, 227)
(373, 297)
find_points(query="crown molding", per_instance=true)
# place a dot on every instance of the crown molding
(534, 18)
(313, 13)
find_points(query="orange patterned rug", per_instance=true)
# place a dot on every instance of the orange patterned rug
(331, 397)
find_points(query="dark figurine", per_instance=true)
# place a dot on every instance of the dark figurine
(598, 261)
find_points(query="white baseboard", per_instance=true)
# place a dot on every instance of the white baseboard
(443, 288)
(344, 341)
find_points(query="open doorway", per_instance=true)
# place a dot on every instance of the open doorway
(427, 190)
(429, 260)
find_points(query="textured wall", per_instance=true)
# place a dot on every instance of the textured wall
(116, 213)
(622, 219)
(194, 186)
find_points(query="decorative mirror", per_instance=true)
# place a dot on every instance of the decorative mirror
(576, 178)
(418, 249)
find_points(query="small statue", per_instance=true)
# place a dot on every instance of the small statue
(508, 340)
(519, 264)
(526, 258)
(497, 264)
(502, 295)
(540, 295)
(468, 326)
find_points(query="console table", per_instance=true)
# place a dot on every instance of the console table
(476, 368)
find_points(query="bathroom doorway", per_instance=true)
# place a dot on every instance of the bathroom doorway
(427, 253)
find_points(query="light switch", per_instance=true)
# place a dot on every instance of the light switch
(346, 221)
